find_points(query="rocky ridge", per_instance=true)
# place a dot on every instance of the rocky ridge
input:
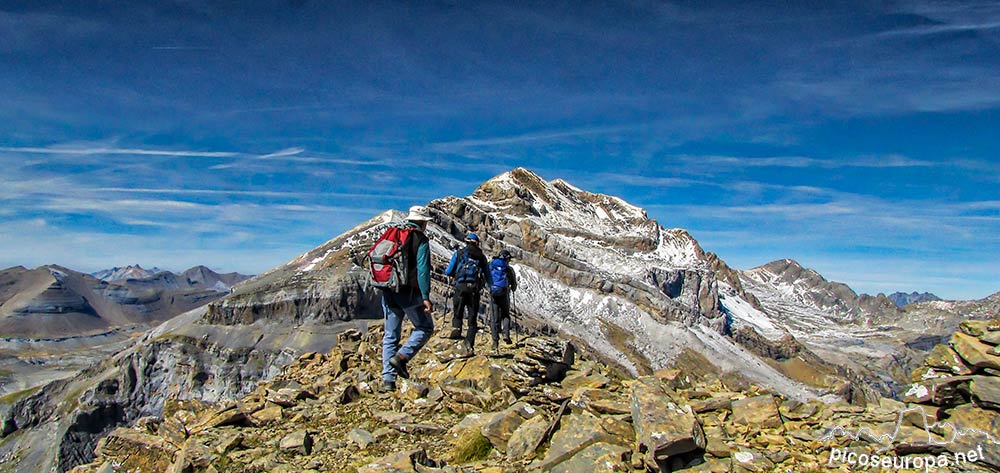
(536, 406)
(869, 335)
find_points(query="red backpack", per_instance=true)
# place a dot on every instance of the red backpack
(388, 262)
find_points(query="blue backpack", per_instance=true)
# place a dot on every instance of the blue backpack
(467, 270)
(498, 269)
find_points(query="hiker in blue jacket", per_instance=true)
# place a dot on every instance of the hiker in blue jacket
(504, 282)
(412, 301)
(471, 272)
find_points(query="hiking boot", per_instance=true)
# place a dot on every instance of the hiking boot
(455, 334)
(388, 386)
(496, 345)
(400, 365)
(508, 341)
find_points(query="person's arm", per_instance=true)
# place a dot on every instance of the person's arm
(450, 272)
(512, 278)
(487, 274)
(424, 269)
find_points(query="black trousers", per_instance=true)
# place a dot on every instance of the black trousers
(466, 306)
(501, 316)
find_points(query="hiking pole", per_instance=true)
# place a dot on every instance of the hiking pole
(494, 326)
(517, 326)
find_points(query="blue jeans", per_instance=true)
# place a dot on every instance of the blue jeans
(395, 305)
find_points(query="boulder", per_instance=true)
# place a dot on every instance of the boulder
(361, 437)
(714, 403)
(759, 411)
(500, 428)
(272, 413)
(194, 456)
(948, 391)
(921, 416)
(412, 390)
(600, 401)
(229, 443)
(976, 428)
(300, 442)
(598, 457)
(136, 451)
(174, 430)
(986, 391)
(620, 427)
(466, 395)
(662, 428)
(992, 337)
(472, 423)
(588, 378)
(907, 439)
(973, 351)
(712, 465)
(402, 462)
(794, 410)
(417, 428)
(749, 460)
(944, 358)
(976, 328)
(527, 438)
(348, 394)
(392, 417)
(577, 432)
(230, 416)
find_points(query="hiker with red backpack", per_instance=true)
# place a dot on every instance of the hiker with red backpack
(504, 283)
(470, 270)
(400, 264)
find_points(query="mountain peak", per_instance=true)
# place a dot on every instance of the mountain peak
(132, 271)
(521, 193)
(902, 299)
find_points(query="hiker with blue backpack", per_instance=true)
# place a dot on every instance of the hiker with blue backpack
(470, 270)
(504, 283)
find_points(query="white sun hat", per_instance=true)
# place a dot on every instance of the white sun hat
(419, 213)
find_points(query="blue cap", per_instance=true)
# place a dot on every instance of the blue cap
(472, 237)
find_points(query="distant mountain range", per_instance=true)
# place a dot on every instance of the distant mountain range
(52, 302)
(903, 299)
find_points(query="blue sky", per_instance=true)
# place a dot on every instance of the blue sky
(860, 139)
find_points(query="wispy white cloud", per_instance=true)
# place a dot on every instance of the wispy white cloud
(83, 204)
(110, 151)
(644, 181)
(869, 161)
(283, 153)
(926, 30)
(246, 193)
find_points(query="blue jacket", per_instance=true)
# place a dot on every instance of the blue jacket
(477, 254)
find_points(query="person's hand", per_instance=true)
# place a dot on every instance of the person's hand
(428, 306)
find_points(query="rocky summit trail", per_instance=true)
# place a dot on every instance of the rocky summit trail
(541, 406)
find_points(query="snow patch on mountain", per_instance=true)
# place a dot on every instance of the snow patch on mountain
(744, 313)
